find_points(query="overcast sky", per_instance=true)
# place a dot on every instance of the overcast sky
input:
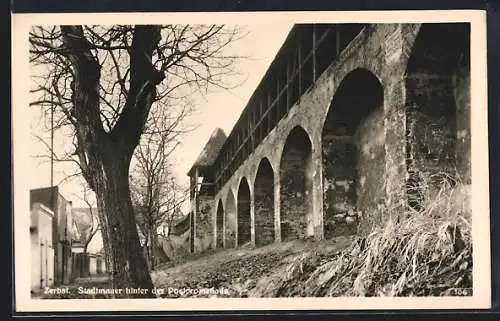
(220, 109)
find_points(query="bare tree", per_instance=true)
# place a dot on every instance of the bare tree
(94, 227)
(102, 82)
(156, 195)
(157, 202)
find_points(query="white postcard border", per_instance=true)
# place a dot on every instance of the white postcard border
(479, 149)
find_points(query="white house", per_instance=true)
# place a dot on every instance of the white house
(42, 251)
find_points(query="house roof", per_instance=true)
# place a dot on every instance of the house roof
(46, 196)
(212, 148)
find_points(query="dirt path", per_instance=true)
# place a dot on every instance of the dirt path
(240, 272)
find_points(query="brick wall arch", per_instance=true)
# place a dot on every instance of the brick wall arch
(244, 209)
(353, 153)
(296, 185)
(264, 203)
(230, 220)
(219, 225)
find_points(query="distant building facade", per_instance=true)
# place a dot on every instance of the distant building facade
(42, 250)
(97, 264)
(87, 245)
(62, 224)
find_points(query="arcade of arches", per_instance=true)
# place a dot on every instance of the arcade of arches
(331, 177)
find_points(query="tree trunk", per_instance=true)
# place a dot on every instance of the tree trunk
(105, 239)
(127, 265)
(104, 157)
(149, 251)
(154, 251)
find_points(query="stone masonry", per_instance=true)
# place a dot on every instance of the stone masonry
(349, 120)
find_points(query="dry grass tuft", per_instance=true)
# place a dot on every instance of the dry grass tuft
(416, 253)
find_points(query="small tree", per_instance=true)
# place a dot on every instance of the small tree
(155, 193)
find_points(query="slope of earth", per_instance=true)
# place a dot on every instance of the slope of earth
(429, 254)
(246, 271)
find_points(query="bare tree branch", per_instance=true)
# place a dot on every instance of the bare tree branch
(113, 88)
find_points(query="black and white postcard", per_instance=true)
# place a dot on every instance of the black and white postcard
(248, 161)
